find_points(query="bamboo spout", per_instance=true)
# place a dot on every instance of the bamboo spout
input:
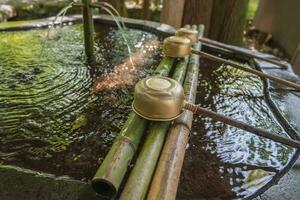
(88, 28)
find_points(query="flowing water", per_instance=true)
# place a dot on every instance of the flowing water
(222, 161)
(61, 116)
(121, 25)
(61, 14)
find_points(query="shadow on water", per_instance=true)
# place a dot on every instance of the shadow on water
(222, 161)
(50, 120)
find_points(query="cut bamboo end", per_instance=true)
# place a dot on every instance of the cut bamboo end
(104, 187)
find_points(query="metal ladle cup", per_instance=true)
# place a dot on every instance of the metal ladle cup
(189, 33)
(178, 47)
(159, 98)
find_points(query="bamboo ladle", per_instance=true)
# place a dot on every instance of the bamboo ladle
(178, 46)
(193, 36)
(159, 98)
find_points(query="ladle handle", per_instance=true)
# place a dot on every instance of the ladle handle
(217, 44)
(253, 71)
(257, 131)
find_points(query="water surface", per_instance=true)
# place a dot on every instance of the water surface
(222, 161)
(59, 115)
(51, 120)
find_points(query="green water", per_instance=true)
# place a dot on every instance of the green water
(50, 120)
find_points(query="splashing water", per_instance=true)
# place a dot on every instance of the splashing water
(108, 5)
(62, 13)
(109, 8)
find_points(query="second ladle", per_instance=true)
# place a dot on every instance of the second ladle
(177, 46)
(162, 99)
(193, 36)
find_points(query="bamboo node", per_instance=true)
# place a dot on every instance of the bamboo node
(128, 140)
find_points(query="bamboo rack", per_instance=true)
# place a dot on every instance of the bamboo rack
(166, 177)
(139, 180)
(110, 174)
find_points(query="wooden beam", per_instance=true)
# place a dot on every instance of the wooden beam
(172, 12)
(198, 12)
(228, 21)
(146, 9)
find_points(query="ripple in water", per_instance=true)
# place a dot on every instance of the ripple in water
(50, 120)
(225, 162)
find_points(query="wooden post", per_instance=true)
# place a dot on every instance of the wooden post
(198, 12)
(228, 21)
(146, 9)
(88, 28)
(172, 12)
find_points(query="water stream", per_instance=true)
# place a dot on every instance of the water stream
(61, 13)
(110, 9)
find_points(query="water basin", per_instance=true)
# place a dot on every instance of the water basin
(59, 115)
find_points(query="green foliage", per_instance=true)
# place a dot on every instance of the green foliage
(39, 8)
(252, 7)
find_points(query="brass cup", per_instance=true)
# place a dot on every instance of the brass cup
(189, 33)
(176, 46)
(158, 98)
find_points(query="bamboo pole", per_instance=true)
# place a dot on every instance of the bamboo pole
(110, 174)
(250, 70)
(88, 28)
(245, 52)
(140, 177)
(166, 177)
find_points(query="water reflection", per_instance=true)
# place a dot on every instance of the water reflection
(50, 120)
(226, 162)
(129, 70)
